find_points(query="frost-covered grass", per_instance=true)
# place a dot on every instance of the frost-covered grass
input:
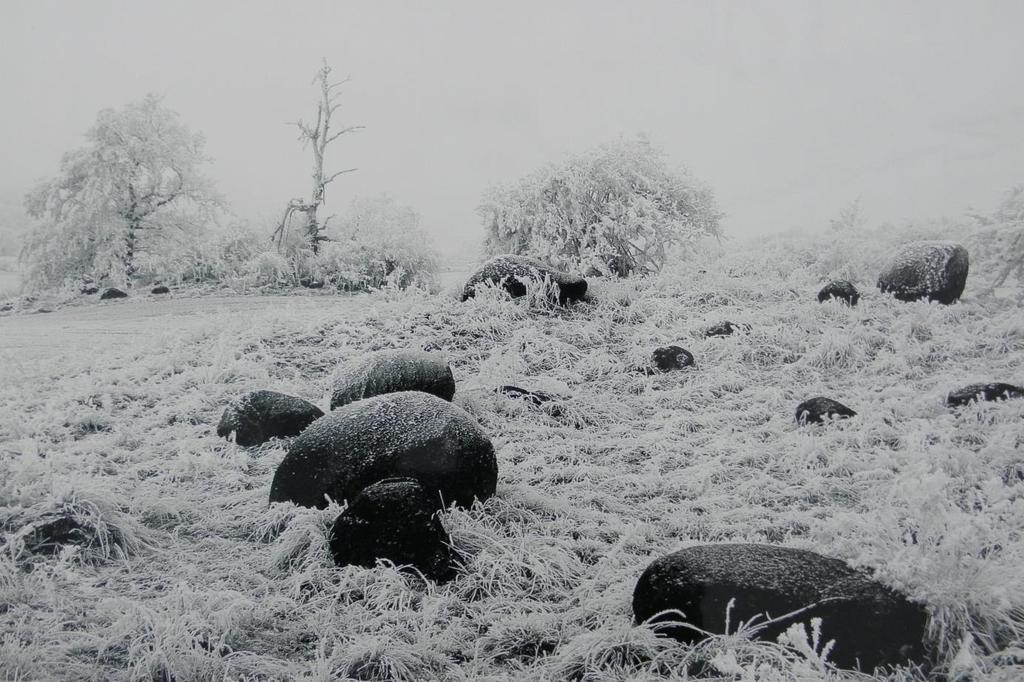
(188, 574)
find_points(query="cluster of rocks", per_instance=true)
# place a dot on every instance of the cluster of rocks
(394, 447)
(397, 450)
(926, 270)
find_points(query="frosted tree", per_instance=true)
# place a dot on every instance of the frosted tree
(317, 136)
(1000, 237)
(850, 218)
(618, 209)
(134, 186)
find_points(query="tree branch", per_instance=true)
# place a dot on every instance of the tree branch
(342, 172)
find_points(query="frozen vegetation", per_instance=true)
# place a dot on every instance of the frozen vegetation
(172, 565)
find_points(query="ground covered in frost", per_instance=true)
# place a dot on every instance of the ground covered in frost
(189, 574)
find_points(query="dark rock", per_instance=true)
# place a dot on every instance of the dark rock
(90, 289)
(936, 271)
(394, 519)
(512, 272)
(725, 329)
(535, 398)
(161, 289)
(872, 625)
(819, 410)
(112, 292)
(979, 392)
(50, 534)
(840, 290)
(391, 371)
(410, 434)
(670, 358)
(261, 415)
(311, 283)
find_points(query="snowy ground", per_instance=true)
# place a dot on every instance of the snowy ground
(107, 412)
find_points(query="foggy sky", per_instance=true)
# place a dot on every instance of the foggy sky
(788, 109)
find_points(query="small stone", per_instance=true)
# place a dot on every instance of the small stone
(535, 398)
(840, 290)
(671, 358)
(161, 289)
(393, 519)
(112, 292)
(725, 329)
(819, 410)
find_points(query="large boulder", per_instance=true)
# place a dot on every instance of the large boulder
(393, 519)
(391, 371)
(411, 434)
(980, 392)
(872, 625)
(112, 292)
(936, 271)
(258, 416)
(513, 272)
(819, 410)
(840, 290)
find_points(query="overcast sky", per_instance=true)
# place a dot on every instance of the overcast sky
(788, 109)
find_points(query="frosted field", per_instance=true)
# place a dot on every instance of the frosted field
(108, 411)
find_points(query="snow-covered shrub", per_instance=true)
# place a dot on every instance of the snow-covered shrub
(619, 208)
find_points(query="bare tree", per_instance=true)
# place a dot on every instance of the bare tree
(317, 136)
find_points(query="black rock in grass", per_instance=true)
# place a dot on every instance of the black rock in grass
(936, 271)
(160, 289)
(408, 434)
(258, 416)
(871, 624)
(393, 519)
(48, 535)
(90, 289)
(840, 290)
(979, 392)
(391, 371)
(112, 292)
(725, 329)
(819, 410)
(535, 398)
(512, 272)
(671, 358)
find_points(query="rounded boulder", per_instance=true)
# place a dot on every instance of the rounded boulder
(983, 392)
(408, 434)
(840, 290)
(393, 519)
(512, 273)
(258, 416)
(936, 271)
(391, 371)
(872, 625)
